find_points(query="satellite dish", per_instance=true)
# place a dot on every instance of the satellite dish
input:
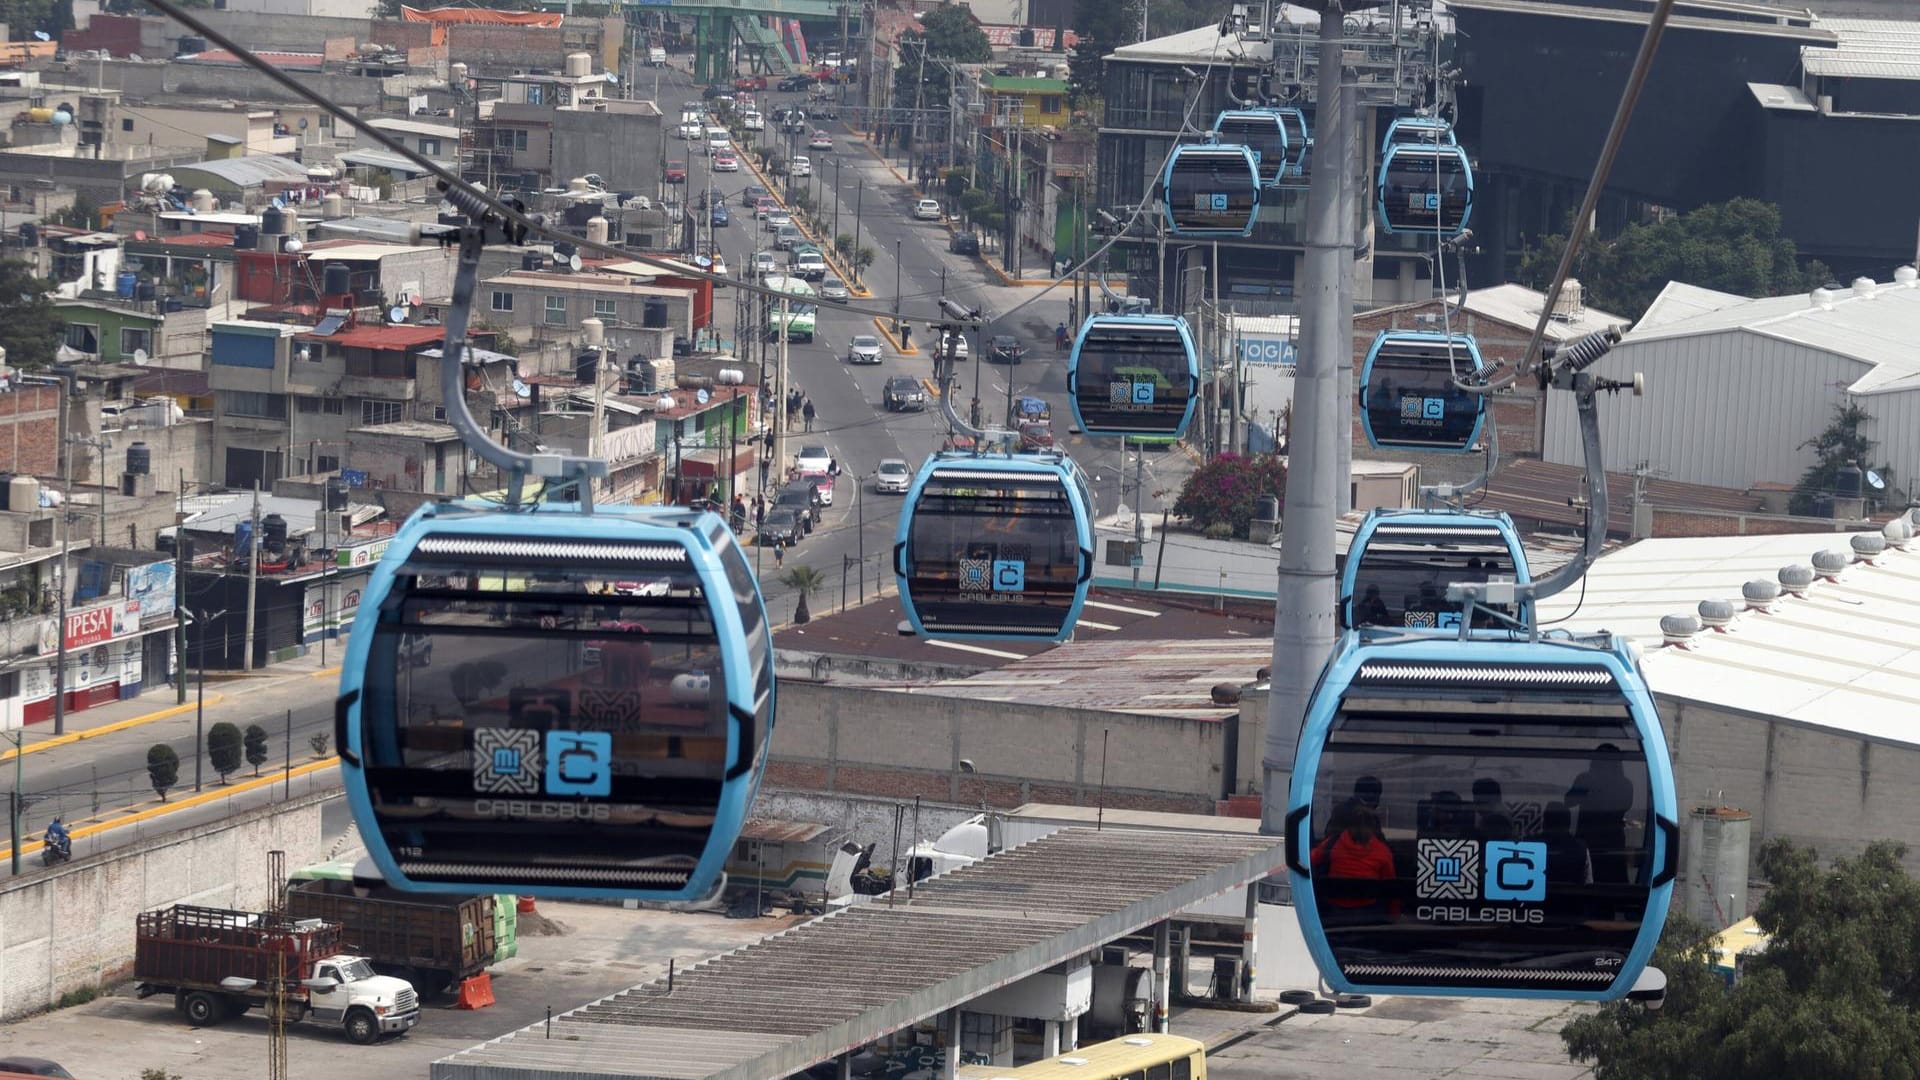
(521, 389)
(279, 203)
(613, 79)
(139, 234)
(291, 246)
(573, 262)
(1875, 480)
(140, 359)
(701, 397)
(397, 314)
(42, 35)
(303, 123)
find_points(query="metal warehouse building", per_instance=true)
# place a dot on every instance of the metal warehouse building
(1735, 386)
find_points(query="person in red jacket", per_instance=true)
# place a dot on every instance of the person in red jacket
(1353, 850)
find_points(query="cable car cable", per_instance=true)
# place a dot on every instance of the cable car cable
(1602, 169)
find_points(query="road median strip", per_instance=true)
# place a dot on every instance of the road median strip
(202, 799)
(880, 324)
(855, 285)
(107, 729)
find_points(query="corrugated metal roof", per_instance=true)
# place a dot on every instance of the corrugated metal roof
(1877, 329)
(843, 980)
(396, 337)
(413, 127)
(248, 171)
(1679, 300)
(1535, 493)
(381, 159)
(1867, 49)
(1843, 657)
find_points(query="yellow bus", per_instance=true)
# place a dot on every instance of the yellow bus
(1135, 1057)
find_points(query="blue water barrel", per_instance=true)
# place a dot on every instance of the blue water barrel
(124, 283)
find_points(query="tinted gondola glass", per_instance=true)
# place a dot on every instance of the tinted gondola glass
(1482, 818)
(1416, 131)
(556, 703)
(1133, 375)
(1211, 191)
(1408, 396)
(1299, 135)
(995, 547)
(1259, 130)
(1426, 189)
(1400, 563)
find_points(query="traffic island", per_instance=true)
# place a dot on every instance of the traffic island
(885, 327)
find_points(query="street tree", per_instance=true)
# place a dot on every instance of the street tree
(804, 580)
(1843, 443)
(1099, 28)
(256, 739)
(1735, 247)
(1226, 491)
(163, 768)
(29, 329)
(224, 747)
(1835, 994)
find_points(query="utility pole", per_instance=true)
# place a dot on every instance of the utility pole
(1343, 315)
(253, 579)
(61, 572)
(780, 395)
(1304, 598)
(179, 592)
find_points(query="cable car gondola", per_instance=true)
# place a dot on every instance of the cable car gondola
(1425, 188)
(1261, 131)
(995, 547)
(1400, 563)
(558, 703)
(1299, 135)
(1409, 399)
(1211, 190)
(1482, 818)
(1418, 131)
(1132, 375)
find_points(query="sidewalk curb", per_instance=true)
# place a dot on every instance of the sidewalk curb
(855, 285)
(932, 387)
(71, 737)
(203, 798)
(907, 350)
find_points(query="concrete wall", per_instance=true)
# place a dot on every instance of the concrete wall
(623, 147)
(72, 927)
(147, 79)
(863, 819)
(879, 742)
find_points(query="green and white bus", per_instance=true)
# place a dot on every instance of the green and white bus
(802, 312)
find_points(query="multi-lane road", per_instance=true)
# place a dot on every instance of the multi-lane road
(850, 420)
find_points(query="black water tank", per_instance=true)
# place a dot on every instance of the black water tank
(190, 44)
(145, 292)
(273, 532)
(532, 260)
(246, 237)
(139, 459)
(273, 222)
(654, 315)
(1846, 482)
(337, 280)
(336, 493)
(585, 364)
(30, 234)
(1266, 508)
(172, 304)
(6, 490)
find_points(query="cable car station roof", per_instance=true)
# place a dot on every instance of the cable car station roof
(842, 980)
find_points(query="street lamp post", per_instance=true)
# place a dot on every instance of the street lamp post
(859, 193)
(836, 198)
(13, 799)
(896, 287)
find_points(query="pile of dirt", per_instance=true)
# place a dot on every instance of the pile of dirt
(534, 924)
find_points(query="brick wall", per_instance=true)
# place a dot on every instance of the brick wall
(885, 743)
(1701, 523)
(30, 431)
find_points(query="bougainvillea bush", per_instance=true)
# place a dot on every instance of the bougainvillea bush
(1227, 490)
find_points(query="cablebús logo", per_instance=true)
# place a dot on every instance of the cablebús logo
(1460, 870)
(509, 762)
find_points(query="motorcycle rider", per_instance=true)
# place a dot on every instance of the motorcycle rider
(58, 839)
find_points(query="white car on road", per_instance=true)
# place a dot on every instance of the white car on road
(800, 166)
(927, 210)
(813, 458)
(753, 121)
(865, 349)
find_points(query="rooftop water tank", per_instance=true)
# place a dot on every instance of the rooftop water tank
(337, 279)
(139, 459)
(273, 532)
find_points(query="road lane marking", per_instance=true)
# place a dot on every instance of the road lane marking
(981, 649)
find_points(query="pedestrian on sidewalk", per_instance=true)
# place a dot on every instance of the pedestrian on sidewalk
(779, 554)
(807, 413)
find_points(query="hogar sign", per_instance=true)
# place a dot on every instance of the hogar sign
(1269, 351)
